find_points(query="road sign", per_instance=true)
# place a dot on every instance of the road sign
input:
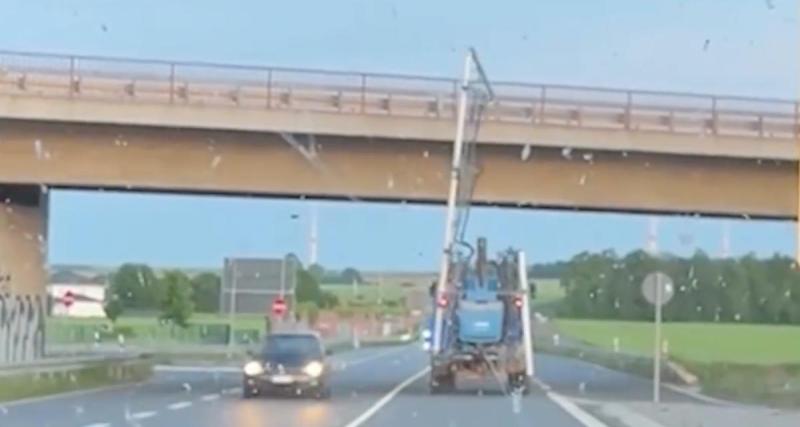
(658, 290)
(68, 299)
(650, 287)
(279, 306)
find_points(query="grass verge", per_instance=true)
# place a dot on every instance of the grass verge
(100, 374)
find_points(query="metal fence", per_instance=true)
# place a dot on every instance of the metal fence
(257, 87)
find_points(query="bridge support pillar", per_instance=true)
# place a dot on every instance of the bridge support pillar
(23, 250)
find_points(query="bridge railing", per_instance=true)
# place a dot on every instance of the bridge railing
(342, 92)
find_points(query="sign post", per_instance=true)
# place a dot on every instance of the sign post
(657, 289)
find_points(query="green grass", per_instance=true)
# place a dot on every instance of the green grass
(101, 374)
(143, 327)
(548, 290)
(367, 294)
(695, 342)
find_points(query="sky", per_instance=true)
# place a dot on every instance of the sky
(745, 47)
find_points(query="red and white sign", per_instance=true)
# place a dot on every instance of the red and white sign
(68, 299)
(279, 306)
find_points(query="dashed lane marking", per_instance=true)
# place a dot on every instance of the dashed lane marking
(179, 405)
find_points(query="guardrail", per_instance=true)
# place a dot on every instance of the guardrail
(63, 364)
(343, 92)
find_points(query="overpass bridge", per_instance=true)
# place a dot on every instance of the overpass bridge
(189, 127)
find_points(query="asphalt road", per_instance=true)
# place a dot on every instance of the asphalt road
(371, 387)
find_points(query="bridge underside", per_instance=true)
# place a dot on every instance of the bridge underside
(258, 163)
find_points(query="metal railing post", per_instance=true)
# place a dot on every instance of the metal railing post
(269, 88)
(628, 109)
(714, 118)
(171, 83)
(71, 76)
(542, 102)
(363, 93)
(796, 126)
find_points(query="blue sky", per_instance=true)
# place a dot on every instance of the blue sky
(752, 50)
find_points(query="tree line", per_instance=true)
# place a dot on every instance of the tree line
(747, 289)
(176, 295)
(136, 287)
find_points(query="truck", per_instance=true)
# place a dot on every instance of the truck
(485, 324)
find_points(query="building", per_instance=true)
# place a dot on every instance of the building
(87, 294)
(252, 284)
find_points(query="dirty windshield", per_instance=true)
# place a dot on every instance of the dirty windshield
(394, 213)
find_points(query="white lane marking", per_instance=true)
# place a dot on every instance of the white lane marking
(541, 384)
(179, 405)
(628, 417)
(69, 394)
(142, 415)
(701, 397)
(387, 398)
(579, 414)
(174, 368)
(98, 425)
(210, 397)
(233, 390)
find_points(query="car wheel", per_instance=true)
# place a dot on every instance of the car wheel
(248, 392)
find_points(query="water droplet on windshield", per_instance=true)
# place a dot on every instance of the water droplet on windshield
(526, 152)
(37, 148)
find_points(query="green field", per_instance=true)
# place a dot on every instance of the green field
(697, 342)
(548, 290)
(143, 327)
(367, 294)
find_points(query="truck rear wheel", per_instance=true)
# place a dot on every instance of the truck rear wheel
(519, 381)
(442, 384)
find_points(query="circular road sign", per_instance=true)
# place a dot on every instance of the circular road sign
(68, 299)
(650, 288)
(279, 306)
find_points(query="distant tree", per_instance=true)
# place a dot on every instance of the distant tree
(137, 287)
(328, 300)
(307, 289)
(350, 275)
(113, 308)
(205, 292)
(317, 272)
(177, 306)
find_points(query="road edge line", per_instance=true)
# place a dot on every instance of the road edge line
(68, 394)
(372, 410)
(574, 410)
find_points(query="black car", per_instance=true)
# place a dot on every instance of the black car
(292, 362)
